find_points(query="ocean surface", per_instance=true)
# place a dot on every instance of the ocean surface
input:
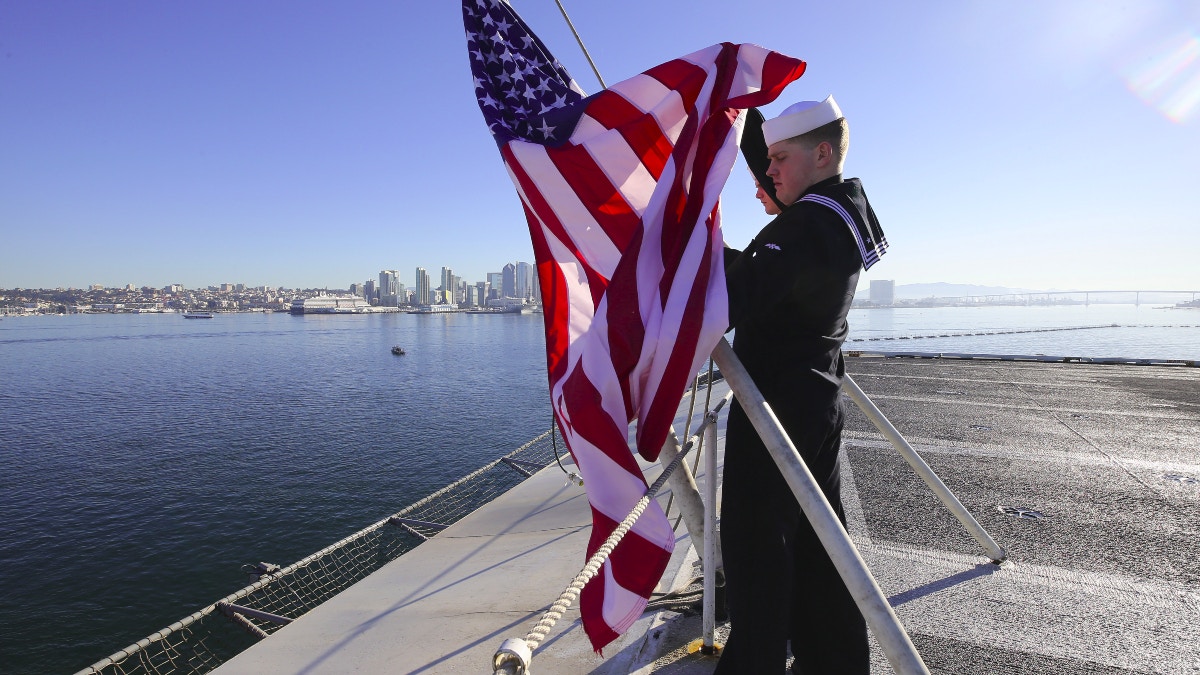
(145, 458)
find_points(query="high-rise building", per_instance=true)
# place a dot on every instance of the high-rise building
(494, 282)
(481, 293)
(524, 280)
(537, 287)
(508, 285)
(370, 292)
(389, 287)
(883, 292)
(447, 286)
(423, 296)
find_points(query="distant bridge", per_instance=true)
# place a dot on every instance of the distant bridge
(1084, 297)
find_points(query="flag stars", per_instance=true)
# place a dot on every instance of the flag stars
(516, 82)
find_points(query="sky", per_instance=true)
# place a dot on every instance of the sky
(1028, 144)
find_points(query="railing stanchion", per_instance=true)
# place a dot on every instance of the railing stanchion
(710, 536)
(880, 617)
(873, 413)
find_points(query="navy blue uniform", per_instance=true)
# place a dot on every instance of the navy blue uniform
(789, 293)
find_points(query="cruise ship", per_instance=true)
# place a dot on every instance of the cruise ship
(330, 304)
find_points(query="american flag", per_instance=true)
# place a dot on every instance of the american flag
(620, 191)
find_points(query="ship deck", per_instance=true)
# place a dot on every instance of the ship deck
(1088, 475)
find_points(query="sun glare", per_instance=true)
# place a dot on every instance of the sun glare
(1169, 79)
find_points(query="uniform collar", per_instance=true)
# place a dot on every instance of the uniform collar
(832, 180)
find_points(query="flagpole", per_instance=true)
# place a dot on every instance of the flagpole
(580, 41)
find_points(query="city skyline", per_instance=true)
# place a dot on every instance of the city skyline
(1042, 145)
(248, 285)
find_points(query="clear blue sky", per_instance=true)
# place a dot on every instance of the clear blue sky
(1045, 145)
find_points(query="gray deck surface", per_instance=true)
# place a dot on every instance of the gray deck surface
(1106, 581)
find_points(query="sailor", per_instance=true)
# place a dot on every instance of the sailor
(754, 148)
(789, 293)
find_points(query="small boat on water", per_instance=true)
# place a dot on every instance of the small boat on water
(197, 315)
(398, 350)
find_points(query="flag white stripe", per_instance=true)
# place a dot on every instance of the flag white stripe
(592, 241)
(621, 607)
(624, 170)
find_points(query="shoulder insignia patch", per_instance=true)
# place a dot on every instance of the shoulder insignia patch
(773, 246)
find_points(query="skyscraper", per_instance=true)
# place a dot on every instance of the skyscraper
(389, 287)
(422, 287)
(524, 280)
(447, 285)
(508, 286)
(494, 281)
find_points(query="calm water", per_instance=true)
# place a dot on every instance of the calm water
(1114, 331)
(145, 458)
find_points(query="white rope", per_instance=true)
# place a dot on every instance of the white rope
(572, 591)
(502, 662)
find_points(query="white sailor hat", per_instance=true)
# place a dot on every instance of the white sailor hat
(800, 118)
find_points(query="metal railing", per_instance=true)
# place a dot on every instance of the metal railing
(207, 638)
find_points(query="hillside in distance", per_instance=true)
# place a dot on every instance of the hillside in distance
(942, 289)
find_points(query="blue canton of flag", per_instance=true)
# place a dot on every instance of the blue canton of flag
(523, 91)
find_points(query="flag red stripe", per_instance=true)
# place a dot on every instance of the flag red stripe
(612, 110)
(632, 549)
(555, 300)
(646, 138)
(537, 202)
(626, 332)
(778, 71)
(686, 79)
(712, 137)
(592, 424)
(591, 611)
(654, 426)
(590, 183)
